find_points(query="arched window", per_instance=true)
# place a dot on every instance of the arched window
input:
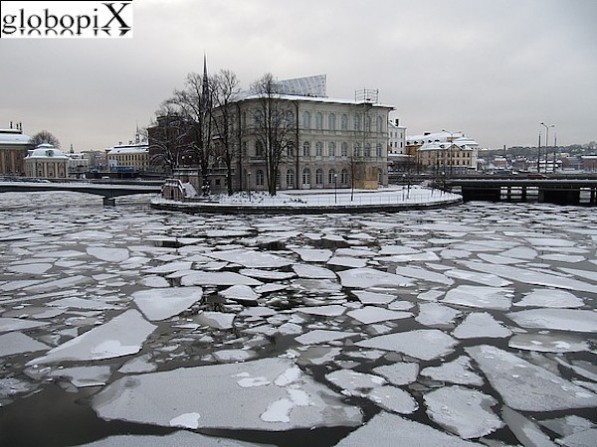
(331, 121)
(319, 121)
(319, 149)
(332, 177)
(344, 149)
(344, 122)
(258, 149)
(357, 122)
(289, 118)
(319, 177)
(356, 151)
(367, 150)
(332, 149)
(344, 177)
(306, 149)
(290, 149)
(368, 123)
(259, 178)
(306, 176)
(378, 150)
(306, 120)
(379, 124)
(290, 179)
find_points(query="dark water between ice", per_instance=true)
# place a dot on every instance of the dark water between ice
(56, 230)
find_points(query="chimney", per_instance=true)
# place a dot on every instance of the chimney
(397, 122)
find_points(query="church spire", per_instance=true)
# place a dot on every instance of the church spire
(205, 87)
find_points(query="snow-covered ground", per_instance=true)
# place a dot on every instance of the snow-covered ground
(470, 325)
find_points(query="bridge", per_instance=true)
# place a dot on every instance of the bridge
(563, 191)
(109, 191)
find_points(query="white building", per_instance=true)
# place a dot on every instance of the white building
(13, 150)
(132, 157)
(46, 161)
(397, 155)
(78, 163)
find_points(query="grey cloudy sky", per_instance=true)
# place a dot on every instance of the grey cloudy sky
(494, 69)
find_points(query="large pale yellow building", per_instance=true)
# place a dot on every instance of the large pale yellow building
(132, 157)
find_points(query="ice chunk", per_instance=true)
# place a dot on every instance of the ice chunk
(526, 432)
(497, 259)
(559, 319)
(401, 373)
(487, 279)
(157, 398)
(322, 336)
(431, 314)
(367, 297)
(313, 271)
(18, 324)
(108, 253)
(367, 277)
(19, 343)
(84, 376)
(581, 439)
(568, 425)
(346, 261)
(217, 320)
(521, 253)
(171, 267)
(154, 281)
(160, 304)
(424, 344)
(218, 279)
(57, 284)
(550, 298)
(267, 274)
(82, 303)
(393, 399)
(386, 429)
(333, 310)
(138, 365)
(548, 343)
(425, 275)
(371, 314)
(178, 439)
(528, 387)
(313, 254)
(587, 274)
(462, 411)
(240, 292)
(251, 258)
(479, 296)
(32, 269)
(480, 324)
(457, 371)
(123, 335)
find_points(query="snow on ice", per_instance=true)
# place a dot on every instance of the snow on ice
(424, 344)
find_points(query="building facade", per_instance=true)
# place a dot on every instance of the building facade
(47, 162)
(132, 157)
(398, 159)
(443, 152)
(13, 150)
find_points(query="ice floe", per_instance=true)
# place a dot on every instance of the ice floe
(550, 298)
(251, 258)
(434, 314)
(217, 278)
(83, 376)
(318, 336)
(371, 314)
(524, 386)
(400, 373)
(121, 336)
(425, 275)
(457, 371)
(333, 310)
(480, 324)
(479, 296)
(365, 278)
(17, 324)
(178, 439)
(240, 292)
(160, 304)
(281, 398)
(313, 271)
(367, 297)
(527, 432)
(108, 253)
(424, 344)
(19, 343)
(548, 343)
(561, 319)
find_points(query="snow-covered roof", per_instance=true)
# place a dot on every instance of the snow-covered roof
(320, 99)
(443, 136)
(134, 148)
(46, 151)
(444, 145)
(13, 136)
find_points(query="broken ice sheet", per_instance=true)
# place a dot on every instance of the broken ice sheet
(218, 279)
(282, 398)
(108, 253)
(479, 296)
(240, 292)
(313, 254)
(550, 298)
(369, 297)
(251, 258)
(424, 275)
(560, 319)
(548, 343)
(424, 344)
(19, 343)
(400, 373)
(123, 335)
(18, 324)
(84, 376)
(434, 314)
(525, 431)
(372, 314)
(480, 324)
(178, 439)
(364, 278)
(523, 385)
(463, 411)
(333, 310)
(313, 271)
(162, 303)
(318, 336)
(457, 371)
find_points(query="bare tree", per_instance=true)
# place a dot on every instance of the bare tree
(167, 141)
(274, 126)
(44, 137)
(225, 93)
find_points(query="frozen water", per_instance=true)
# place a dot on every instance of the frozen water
(550, 298)
(371, 314)
(171, 267)
(313, 254)
(33, 268)
(401, 373)
(568, 425)
(240, 292)
(367, 277)
(591, 275)
(160, 304)
(82, 303)
(178, 439)
(526, 432)
(480, 324)
(462, 411)
(367, 297)
(267, 274)
(108, 253)
(548, 343)
(251, 258)
(216, 320)
(393, 399)
(425, 275)
(19, 343)
(333, 310)
(386, 429)
(523, 385)
(83, 376)
(346, 261)
(560, 319)
(218, 278)
(424, 344)
(433, 314)
(272, 403)
(322, 336)
(123, 335)
(313, 271)
(17, 324)
(479, 296)
(457, 371)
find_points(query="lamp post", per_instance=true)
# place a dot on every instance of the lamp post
(335, 187)
(249, 184)
(546, 142)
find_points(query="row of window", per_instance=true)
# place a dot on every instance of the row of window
(320, 151)
(332, 178)
(358, 122)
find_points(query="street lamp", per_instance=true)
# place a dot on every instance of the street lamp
(249, 184)
(546, 142)
(335, 187)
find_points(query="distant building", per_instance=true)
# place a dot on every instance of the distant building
(397, 157)
(46, 161)
(78, 164)
(132, 157)
(13, 150)
(589, 163)
(447, 152)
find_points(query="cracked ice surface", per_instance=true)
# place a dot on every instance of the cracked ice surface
(281, 397)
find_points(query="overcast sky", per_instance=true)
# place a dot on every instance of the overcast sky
(494, 69)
